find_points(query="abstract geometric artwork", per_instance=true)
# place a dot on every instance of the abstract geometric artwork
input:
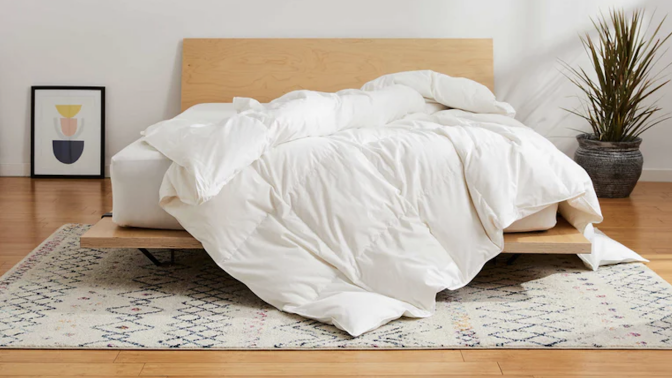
(68, 151)
(68, 131)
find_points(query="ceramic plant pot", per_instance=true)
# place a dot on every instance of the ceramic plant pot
(614, 167)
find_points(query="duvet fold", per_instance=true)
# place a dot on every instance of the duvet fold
(355, 208)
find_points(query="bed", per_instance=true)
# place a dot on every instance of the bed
(216, 70)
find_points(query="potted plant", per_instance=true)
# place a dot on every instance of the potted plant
(618, 104)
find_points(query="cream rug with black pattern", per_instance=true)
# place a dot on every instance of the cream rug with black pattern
(63, 296)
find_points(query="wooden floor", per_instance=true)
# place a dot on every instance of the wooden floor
(30, 210)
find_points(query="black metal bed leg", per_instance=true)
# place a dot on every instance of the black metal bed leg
(148, 254)
(156, 261)
(513, 259)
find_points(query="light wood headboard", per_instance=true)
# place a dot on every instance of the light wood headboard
(216, 70)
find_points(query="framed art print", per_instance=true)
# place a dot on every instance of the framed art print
(67, 132)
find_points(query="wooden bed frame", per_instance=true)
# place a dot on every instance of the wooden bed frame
(216, 70)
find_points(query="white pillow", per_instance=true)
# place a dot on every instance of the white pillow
(453, 92)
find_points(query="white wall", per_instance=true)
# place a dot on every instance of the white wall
(133, 48)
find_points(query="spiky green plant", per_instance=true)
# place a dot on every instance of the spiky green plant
(617, 103)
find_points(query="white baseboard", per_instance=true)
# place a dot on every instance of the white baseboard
(23, 170)
(659, 175)
(648, 174)
(18, 169)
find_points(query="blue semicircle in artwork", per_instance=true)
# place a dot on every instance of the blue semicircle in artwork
(68, 151)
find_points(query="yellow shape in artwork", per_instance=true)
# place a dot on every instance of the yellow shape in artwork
(68, 111)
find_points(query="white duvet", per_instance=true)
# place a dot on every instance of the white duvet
(355, 208)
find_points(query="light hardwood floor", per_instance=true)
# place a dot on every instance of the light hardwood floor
(30, 210)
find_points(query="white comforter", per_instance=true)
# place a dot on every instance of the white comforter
(357, 207)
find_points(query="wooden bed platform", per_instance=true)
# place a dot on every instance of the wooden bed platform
(562, 239)
(216, 70)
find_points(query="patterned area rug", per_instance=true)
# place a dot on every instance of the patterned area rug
(63, 296)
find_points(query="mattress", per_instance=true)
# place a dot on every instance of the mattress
(137, 172)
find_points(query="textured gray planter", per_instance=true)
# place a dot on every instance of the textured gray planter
(614, 167)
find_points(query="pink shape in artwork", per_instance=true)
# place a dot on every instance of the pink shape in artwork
(69, 126)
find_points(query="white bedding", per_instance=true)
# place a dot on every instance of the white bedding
(137, 172)
(356, 208)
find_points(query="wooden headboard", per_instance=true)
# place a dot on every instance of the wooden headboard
(216, 70)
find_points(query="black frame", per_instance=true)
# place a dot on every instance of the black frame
(32, 130)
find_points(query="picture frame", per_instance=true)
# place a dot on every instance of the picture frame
(67, 132)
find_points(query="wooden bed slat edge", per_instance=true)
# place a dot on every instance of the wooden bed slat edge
(562, 239)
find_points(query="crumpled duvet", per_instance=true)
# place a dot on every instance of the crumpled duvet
(355, 208)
